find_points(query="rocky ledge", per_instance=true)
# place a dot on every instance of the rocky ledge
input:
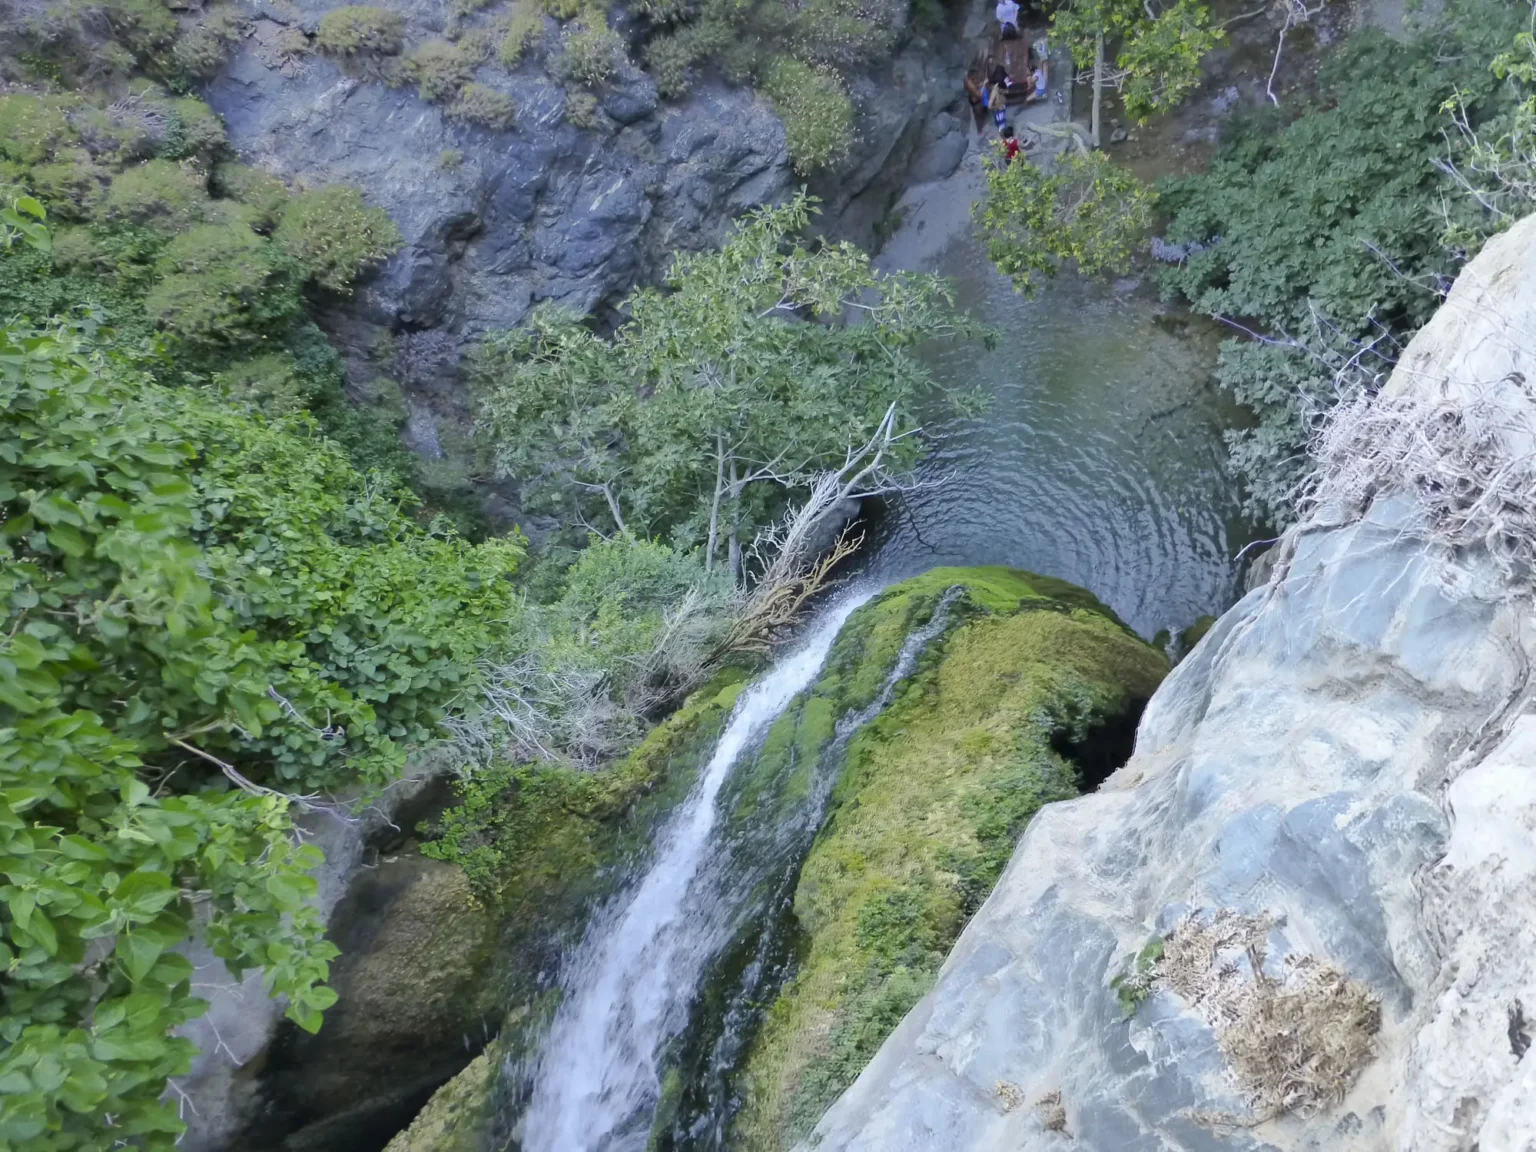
(1303, 916)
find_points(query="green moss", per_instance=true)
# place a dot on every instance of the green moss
(530, 835)
(458, 1116)
(931, 798)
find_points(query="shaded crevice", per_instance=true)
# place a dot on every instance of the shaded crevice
(1097, 751)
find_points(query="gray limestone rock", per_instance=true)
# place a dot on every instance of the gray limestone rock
(1345, 761)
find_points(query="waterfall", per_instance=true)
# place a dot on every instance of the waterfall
(628, 988)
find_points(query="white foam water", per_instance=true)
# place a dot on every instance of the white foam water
(629, 986)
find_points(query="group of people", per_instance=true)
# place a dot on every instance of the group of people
(991, 95)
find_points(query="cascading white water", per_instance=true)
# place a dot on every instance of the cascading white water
(629, 987)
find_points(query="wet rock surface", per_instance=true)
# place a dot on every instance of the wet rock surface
(495, 222)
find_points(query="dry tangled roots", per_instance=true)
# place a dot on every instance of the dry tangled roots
(1468, 461)
(1294, 1043)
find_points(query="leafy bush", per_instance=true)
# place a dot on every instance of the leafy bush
(590, 51)
(361, 28)
(146, 28)
(581, 109)
(670, 60)
(1328, 229)
(561, 9)
(817, 114)
(222, 283)
(161, 195)
(170, 661)
(439, 69)
(194, 130)
(335, 236)
(524, 28)
(273, 384)
(1086, 209)
(201, 50)
(258, 190)
(482, 104)
(31, 127)
(71, 186)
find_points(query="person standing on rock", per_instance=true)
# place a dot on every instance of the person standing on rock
(977, 98)
(996, 96)
(1008, 18)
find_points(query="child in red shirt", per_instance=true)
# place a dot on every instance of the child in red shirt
(1010, 144)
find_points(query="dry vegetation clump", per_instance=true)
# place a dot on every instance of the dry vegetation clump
(1051, 1113)
(1295, 1043)
(1467, 461)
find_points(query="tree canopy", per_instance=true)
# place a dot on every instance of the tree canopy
(721, 395)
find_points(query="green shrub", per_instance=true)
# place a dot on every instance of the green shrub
(667, 11)
(359, 29)
(258, 190)
(1328, 227)
(524, 28)
(162, 195)
(31, 128)
(481, 104)
(581, 109)
(201, 50)
(222, 284)
(71, 185)
(76, 250)
(590, 51)
(146, 28)
(817, 114)
(561, 9)
(839, 34)
(335, 236)
(194, 130)
(272, 383)
(159, 629)
(670, 59)
(450, 160)
(439, 69)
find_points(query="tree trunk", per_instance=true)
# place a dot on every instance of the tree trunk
(714, 507)
(1098, 85)
(733, 557)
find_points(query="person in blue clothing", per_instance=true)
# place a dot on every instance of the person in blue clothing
(996, 96)
(1038, 83)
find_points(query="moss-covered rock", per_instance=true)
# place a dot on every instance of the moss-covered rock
(457, 1117)
(930, 797)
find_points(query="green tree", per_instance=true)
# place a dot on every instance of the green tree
(1158, 49)
(206, 619)
(720, 396)
(1084, 209)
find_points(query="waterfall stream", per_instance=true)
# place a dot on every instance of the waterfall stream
(629, 987)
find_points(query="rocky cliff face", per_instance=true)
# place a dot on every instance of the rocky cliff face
(497, 221)
(1304, 915)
